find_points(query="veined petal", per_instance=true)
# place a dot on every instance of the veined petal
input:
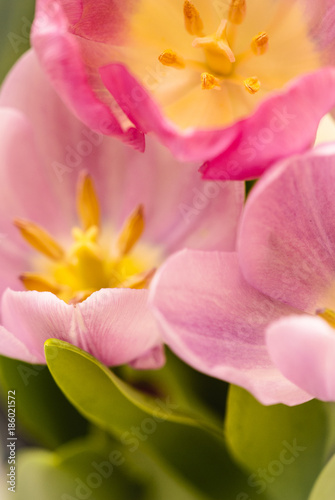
(34, 317)
(215, 322)
(115, 325)
(287, 239)
(303, 348)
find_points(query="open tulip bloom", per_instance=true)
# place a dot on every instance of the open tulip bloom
(235, 84)
(264, 317)
(85, 222)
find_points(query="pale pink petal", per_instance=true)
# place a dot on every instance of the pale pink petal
(63, 62)
(180, 209)
(24, 183)
(151, 360)
(321, 18)
(34, 317)
(303, 348)
(213, 320)
(287, 238)
(24, 192)
(284, 124)
(115, 325)
(11, 347)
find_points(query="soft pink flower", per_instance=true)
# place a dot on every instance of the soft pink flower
(216, 314)
(234, 96)
(58, 174)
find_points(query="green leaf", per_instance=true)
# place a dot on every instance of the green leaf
(147, 424)
(324, 487)
(282, 448)
(15, 22)
(43, 413)
(79, 470)
(71, 366)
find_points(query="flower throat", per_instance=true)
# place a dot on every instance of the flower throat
(219, 56)
(87, 266)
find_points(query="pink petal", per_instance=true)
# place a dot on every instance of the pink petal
(321, 17)
(141, 109)
(11, 347)
(180, 208)
(116, 326)
(287, 237)
(61, 58)
(151, 360)
(34, 317)
(303, 348)
(24, 184)
(284, 124)
(215, 322)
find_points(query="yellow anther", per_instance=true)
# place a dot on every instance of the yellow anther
(260, 43)
(328, 315)
(209, 82)
(237, 11)
(131, 231)
(87, 202)
(138, 281)
(252, 84)
(33, 281)
(193, 22)
(39, 239)
(170, 58)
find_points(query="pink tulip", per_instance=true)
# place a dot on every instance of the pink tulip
(85, 221)
(263, 318)
(234, 84)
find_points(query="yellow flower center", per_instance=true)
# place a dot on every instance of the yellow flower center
(219, 55)
(208, 63)
(89, 265)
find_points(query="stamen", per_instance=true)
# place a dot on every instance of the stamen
(193, 22)
(138, 281)
(260, 43)
(252, 84)
(87, 202)
(328, 315)
(33, 281)
(170, 58)
(237, 11)
(209, 82)
(39, 239)
(131, 231)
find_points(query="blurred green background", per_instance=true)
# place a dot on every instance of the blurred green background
(15, 21)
